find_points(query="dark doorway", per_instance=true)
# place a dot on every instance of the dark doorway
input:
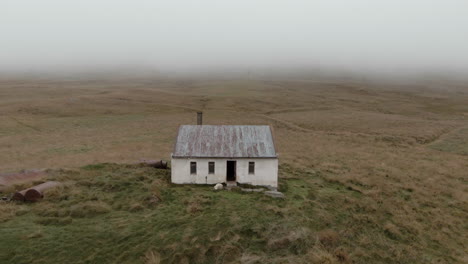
(231, 170)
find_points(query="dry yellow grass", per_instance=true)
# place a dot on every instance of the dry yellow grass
(375, 139)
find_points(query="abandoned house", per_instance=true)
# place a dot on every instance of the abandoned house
(208, 154)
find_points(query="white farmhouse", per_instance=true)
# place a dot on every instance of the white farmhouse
(207, 154)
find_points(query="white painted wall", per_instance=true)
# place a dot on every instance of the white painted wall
(266, 171)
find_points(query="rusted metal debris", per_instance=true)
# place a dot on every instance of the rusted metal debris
(35, 193)
(19, 196)
(158, 164)
(224, 142)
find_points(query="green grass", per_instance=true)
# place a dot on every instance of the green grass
(110, 213)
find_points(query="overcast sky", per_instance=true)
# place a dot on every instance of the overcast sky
(176, 34)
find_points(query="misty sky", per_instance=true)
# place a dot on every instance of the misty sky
(176, 34)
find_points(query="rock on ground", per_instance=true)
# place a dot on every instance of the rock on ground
(275, 194)
(252, 190)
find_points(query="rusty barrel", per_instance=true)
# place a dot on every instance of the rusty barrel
(19, 196)
(158, 164)
(36, 193)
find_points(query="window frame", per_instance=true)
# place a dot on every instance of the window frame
(251, 167)
(210, 164)
(193, 168)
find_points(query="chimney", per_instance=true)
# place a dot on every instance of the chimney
(199, 118)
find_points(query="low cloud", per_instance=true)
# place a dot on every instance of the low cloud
(190, 36)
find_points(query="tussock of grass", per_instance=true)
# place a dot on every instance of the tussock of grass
(297, 241)
(48, 209)
(89, 209)
(329, 238)
(392, 231)
(152, 257)
(54, 221)
(7, 211)
(321, 256)
(56, 193)
(36, 234)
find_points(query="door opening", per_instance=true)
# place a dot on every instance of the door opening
(231, 170)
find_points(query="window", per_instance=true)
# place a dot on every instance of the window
(193, 167)
(211, 167)
(251, 167)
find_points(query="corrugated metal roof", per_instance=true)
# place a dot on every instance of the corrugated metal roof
(224, 142)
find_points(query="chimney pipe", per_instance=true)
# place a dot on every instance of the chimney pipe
(199, 118)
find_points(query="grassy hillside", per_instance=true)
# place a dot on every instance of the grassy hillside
(110, 213)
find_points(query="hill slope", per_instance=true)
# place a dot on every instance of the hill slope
(110, 213)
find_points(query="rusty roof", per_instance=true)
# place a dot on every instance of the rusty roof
(207, 141)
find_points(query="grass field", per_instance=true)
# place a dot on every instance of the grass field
(373, 173)
(126, 214)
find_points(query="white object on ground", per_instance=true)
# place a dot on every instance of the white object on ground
(275, 194)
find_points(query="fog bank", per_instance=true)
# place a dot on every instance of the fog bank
(214, 35)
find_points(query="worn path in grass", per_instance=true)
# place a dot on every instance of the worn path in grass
(454, 142)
